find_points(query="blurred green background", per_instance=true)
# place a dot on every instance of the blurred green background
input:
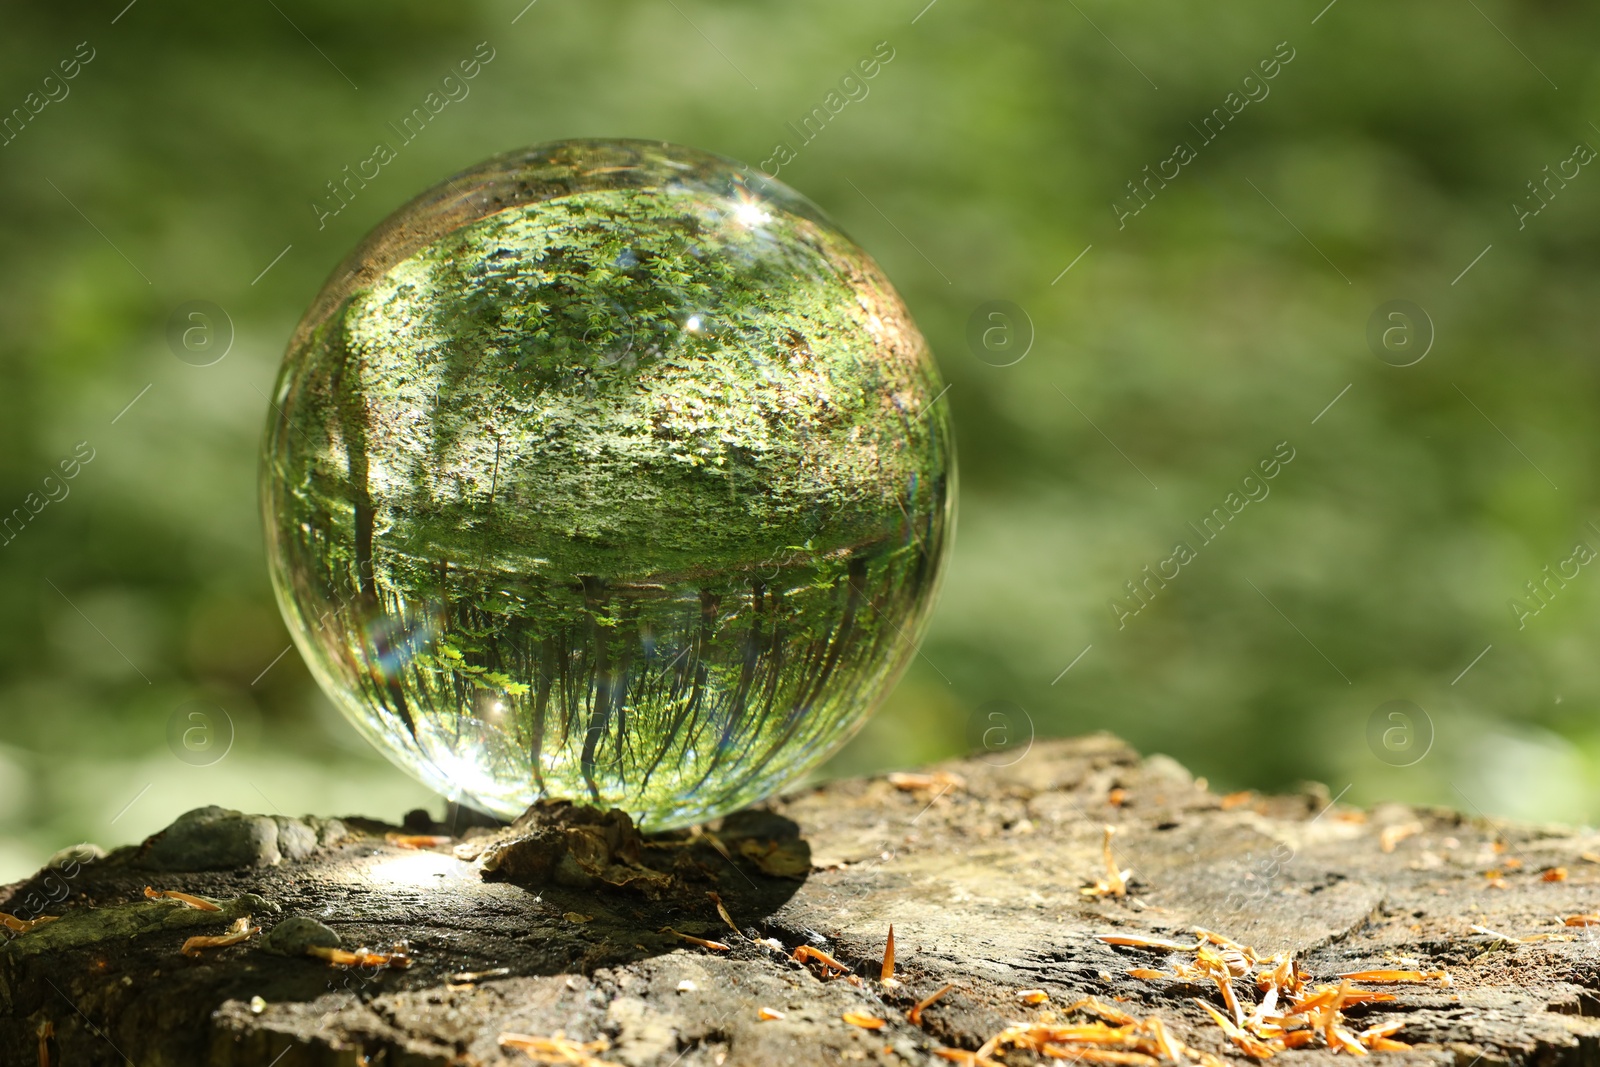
(1176, 353)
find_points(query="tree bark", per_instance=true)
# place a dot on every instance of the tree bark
(579, 926)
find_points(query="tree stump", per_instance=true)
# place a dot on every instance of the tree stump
(570, 927)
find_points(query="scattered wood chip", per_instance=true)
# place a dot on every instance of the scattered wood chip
(1032, 996)
(22, 926)
(1589, 857)
(968, 1059)
(188, 900)
(1237, 800)
(768, 1014)
(1391, 836)
(863, 1020)
(419, 841)
(1117, 797)
(1313, 1018)
(398, 956)
(468, 977)
(1155, 944)
(1591, 919)
(1394, 976)
(1384, 1044)
(715, 946)
(1115, 882)
(915, 1014)
(937, 780)
(1344, 1039)
(1381, 1030)
(812, 954)
(1103, 1011)
(1554, 874)
(558, 1049)
(1247, 1044)
(239, 931)
(886, 969)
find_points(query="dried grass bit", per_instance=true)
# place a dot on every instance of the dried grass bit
(22, 926)
(914, 1016)
(1033, 996)
(863, 1020)
(886, 970)
(1115, 882)
(1590, 919)
(723, 911)
(188, 900)
(1146, 974)
(241, 930)
(766, 1015)
(558, 1049)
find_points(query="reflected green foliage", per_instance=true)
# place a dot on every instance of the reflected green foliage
(630, 489)
(1396, 146)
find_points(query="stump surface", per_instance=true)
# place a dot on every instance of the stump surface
(584, 933)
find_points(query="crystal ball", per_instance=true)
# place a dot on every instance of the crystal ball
(608, 470)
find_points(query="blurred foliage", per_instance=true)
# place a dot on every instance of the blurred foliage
(986, 156)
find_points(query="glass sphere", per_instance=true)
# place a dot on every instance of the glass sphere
(608, 470)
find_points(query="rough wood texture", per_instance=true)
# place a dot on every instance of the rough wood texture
(982, 883)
